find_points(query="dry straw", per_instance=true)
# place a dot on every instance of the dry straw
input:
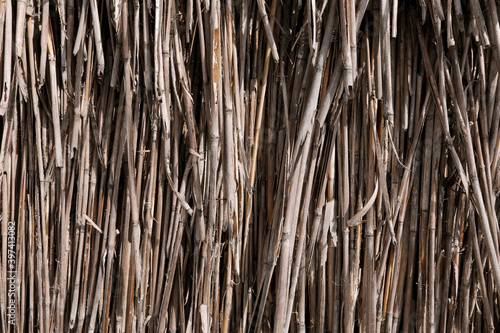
(249, 166)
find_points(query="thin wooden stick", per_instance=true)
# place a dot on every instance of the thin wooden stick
(7, 59)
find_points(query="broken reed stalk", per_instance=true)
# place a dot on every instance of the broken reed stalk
(159, 171)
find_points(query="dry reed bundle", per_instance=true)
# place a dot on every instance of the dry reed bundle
(249, 166)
